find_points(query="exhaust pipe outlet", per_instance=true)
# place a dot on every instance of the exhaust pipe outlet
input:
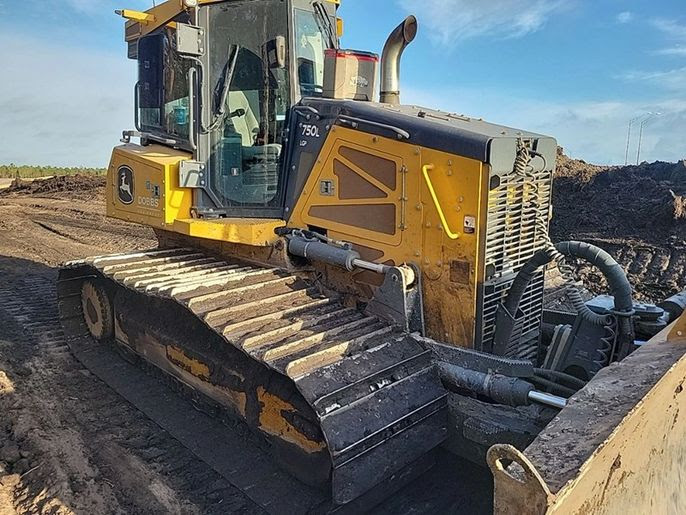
(393, 50)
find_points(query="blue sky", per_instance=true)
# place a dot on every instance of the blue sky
(574, 69)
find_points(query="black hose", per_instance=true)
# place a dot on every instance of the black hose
(615, 276)
(522, 280)
(555, 374)
(613, 272)
(619, 285)
(563, 390)
(542, 258)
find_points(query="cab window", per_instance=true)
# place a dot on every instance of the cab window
(163, 95)
(250, 95)
(310, 44)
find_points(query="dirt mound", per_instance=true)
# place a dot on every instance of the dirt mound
(637, 213)
(577, 169)
(645, 203)
(59, 184)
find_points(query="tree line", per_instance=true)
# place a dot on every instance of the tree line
(11, 171)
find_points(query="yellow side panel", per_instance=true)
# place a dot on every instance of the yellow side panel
(349, 195)
(452, 267)
(273, 422)
(247, 231)
(153, 196)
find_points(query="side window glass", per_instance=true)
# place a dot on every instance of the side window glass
(163, 95)
(310, 46)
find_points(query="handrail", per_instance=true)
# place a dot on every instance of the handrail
(353, 121)
(192, 75)
(136, 106)
(446, 228)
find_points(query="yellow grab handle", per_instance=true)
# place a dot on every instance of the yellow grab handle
(138, 16)
(446, 228)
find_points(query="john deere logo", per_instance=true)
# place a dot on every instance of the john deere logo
(125, 184)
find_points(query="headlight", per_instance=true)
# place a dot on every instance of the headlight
(190, 3)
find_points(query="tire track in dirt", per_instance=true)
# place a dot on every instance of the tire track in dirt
(654, 272)
(94, 452)
(636, 213)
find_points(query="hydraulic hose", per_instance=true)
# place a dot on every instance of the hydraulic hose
(613, 273)
(611, 270)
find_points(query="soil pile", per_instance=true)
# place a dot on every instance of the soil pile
(645, 203)
(637, 213)
(89, 185)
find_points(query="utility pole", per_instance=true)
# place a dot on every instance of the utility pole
(644, 122)
(628, 138)
(628, 134)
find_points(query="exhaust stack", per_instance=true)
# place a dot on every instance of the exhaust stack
(393, 50)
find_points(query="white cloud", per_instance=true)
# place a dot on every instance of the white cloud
(669, 79)
(625, 17)
(677, 51)
(670, 28)
(78, 118)
(593, 131)
(674, 31)
(451, 21)
(674, 79)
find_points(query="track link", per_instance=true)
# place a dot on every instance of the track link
(362, 392)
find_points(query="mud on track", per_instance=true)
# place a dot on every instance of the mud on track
(68, 443)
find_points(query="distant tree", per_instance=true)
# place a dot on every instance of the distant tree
(12, 171)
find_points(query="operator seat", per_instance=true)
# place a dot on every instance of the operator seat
(247, 125)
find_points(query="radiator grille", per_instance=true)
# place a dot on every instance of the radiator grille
(511, 240)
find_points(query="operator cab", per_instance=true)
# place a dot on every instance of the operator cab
(230, 105)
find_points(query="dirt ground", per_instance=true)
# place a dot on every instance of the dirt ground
(636, 213)
(69, 444)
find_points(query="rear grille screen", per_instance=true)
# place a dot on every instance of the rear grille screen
(512, 239)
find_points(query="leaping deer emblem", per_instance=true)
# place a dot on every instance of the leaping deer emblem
(125, 187)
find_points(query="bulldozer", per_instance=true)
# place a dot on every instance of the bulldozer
(361, 282)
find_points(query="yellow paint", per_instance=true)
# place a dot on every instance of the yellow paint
(340, 27)
(678, 330)
(273, 422)
(190, 365)
(425, 171)
(201, 371)
(152, 166)
(323, 170)
(156, 166)
(258, 232)
(137, 16)
(157, 17)
(461, 189)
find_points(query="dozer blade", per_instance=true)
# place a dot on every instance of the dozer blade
(343, 398)
(617, 448)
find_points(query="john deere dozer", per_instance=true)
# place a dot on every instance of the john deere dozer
(361, 281)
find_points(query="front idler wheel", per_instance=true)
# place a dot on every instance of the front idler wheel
(97, 310)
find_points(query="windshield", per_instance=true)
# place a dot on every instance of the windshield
(310, 44)
(250, 97)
